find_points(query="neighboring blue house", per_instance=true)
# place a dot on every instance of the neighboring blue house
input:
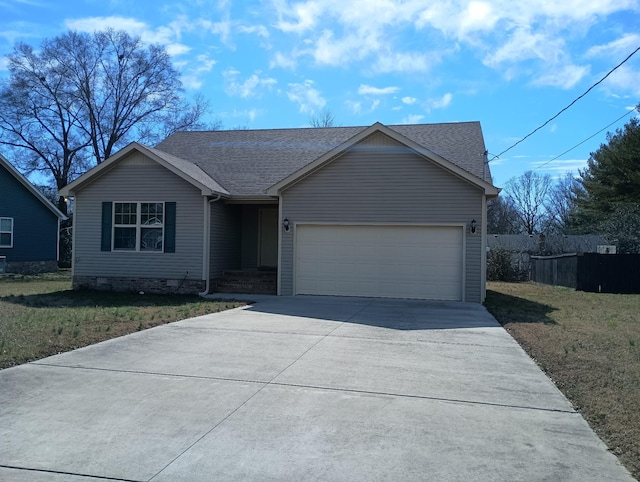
(29, 225)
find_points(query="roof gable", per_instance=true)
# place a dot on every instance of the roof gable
(256, 163)
(393, 134)
(248, 163)
(187, 170)
(30, 187)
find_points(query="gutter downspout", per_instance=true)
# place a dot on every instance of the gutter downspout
(206, 244)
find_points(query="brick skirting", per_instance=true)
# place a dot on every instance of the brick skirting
(148, 285)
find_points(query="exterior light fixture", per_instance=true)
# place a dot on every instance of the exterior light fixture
(285, 224)
(473, 226)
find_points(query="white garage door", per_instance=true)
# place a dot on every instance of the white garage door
(382, 261)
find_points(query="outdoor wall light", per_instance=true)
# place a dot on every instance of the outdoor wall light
(473, 226)
(285, 224)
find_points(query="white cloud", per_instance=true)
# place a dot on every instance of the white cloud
(251, 87)
(559, 168)
(164, 35)
(564, 77)
(625, 79)
(409, 100)
(624, 45)
(441, 102)
(177, 49)
(406, 62)
(283, 60)
(533, 38)
(93, 24)
(299, 17)
(248, 114)
(412, 119)
(259, 30)
(369, 90)
(306, 96)
(192, 78)
(340, 51)
(222, 28)
(525, 44)
(354, 106)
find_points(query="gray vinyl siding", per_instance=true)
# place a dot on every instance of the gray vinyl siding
(136, 178)
(225, 238)
(381, 181)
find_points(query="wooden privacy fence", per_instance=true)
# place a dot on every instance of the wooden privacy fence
(598, 273)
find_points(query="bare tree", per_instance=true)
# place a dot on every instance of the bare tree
(502, 216)
(324, 118)
(82, 96)
(561, 204)
(529, 194)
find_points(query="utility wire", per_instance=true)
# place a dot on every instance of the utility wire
(574, 101)
(588, 138)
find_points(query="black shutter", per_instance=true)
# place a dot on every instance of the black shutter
(105, 244)
(170, 227)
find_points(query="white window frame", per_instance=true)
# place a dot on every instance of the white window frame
(138, 227)
(10, 245)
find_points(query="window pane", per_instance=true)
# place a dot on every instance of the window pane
(151, 214)
(125, 213)
(124, 238)
(151, 239)
(5, 225)
(5, 239)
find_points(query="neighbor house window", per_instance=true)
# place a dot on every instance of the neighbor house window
(6, 232)
(138, 226)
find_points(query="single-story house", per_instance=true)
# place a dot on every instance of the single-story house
(378, 211)
(29, 225)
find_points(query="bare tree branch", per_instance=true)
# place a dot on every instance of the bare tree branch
(529, 194)
(82, 96)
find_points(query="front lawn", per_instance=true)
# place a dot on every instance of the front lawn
(589, 345)
(41, 316)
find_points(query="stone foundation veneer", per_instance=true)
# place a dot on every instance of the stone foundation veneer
(148, 285)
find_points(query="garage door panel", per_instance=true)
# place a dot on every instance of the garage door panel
(384, 261)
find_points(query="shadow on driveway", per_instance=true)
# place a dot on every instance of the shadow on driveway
(395, 314)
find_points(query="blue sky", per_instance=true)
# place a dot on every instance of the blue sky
(274, 63)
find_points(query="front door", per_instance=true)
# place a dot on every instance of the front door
(268, 241)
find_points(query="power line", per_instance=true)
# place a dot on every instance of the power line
(574, 101)
(588, 138)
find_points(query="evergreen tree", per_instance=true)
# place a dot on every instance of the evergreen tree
(608, 195)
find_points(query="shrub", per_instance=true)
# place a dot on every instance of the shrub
(500, 266)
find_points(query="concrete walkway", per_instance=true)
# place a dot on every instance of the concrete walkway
(303, 388)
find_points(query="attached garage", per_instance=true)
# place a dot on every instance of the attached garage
(391, 261)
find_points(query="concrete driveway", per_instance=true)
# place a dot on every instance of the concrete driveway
(303, 388)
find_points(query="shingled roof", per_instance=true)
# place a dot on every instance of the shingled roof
(248, 162)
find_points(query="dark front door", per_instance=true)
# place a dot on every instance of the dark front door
(268, 239)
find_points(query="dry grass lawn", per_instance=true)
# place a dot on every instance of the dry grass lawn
(41, 315)
(589, 345)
